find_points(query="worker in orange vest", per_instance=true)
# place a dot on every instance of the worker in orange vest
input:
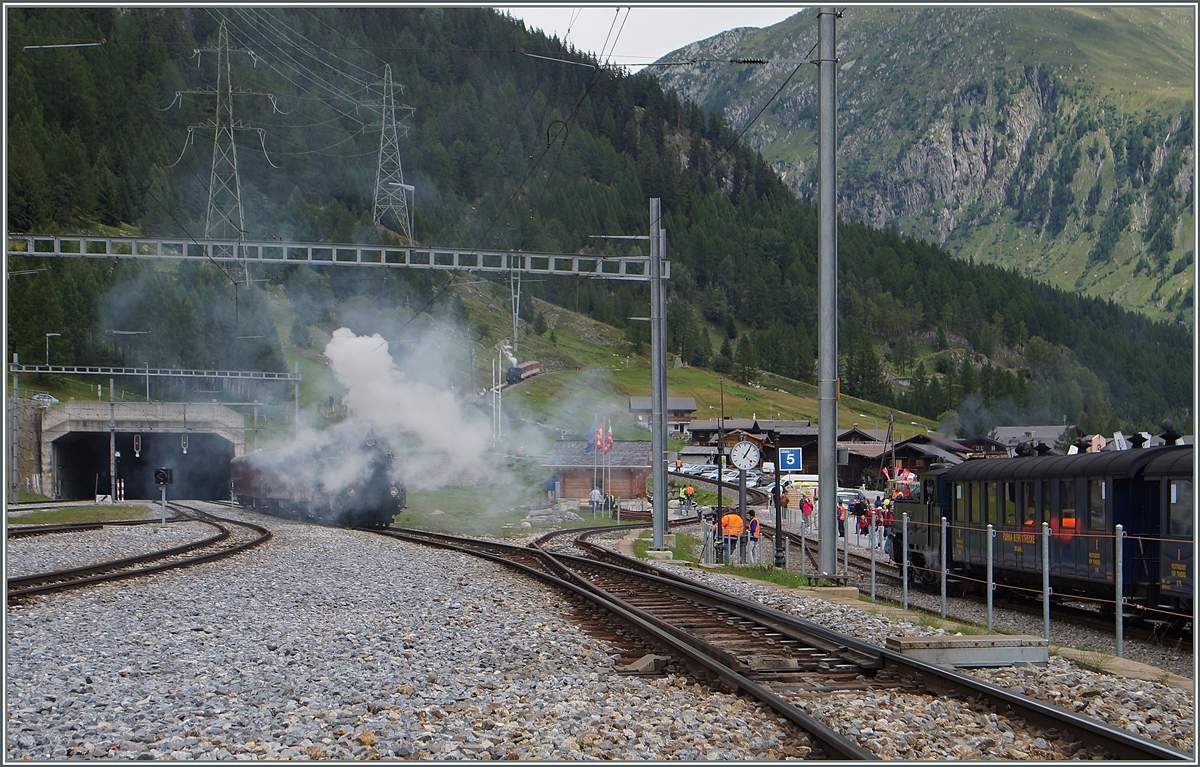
(731, 531)
(841, 515)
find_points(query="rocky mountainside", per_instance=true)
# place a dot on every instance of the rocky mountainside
(1056, 142)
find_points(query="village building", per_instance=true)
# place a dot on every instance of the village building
(680, 411)
(626, 467)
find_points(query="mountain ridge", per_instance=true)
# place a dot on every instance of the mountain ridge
(960, 125)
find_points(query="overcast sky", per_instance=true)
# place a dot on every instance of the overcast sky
(649, 33)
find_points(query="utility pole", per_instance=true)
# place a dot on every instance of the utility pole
(827, 383)
(721, 452)
(112, 443)
(514, 283)
(391, 193)
(658, 372)
(16, 433)
(296, 391)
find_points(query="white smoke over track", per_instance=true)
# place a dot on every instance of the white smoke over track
(435, 439)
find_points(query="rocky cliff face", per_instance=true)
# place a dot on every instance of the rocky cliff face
(1020, 137)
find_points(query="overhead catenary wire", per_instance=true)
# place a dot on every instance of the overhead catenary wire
(270, 24)
(296, 67)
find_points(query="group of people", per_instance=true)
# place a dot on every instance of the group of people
(687, 497)
(784, 500)
(874, 520)
(730, 530)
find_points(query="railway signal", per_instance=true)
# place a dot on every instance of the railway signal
(162, 478)
(184, 441)
(137, 445)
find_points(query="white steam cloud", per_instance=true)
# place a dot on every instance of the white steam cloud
(435, 440)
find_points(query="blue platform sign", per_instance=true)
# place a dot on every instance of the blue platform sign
(789, 459)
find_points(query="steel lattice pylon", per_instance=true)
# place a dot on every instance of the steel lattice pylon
(224, 220)
(391, 193)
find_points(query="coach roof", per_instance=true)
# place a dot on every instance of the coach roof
(1120, 463)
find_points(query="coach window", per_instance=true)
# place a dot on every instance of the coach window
(1010, 503)
(960, 502)
(976, 502)
(1181, 507)
(993, 502)
(1066, 502)
(1029, 507)
(1096, 495)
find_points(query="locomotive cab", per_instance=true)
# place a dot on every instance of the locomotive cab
(924, 499)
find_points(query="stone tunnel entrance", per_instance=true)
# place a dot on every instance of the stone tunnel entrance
(81, 463)
(73, 459)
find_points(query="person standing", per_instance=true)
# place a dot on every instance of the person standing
(683, 500)
(841, 519)
(889, 519)
(806, 509)
(786, 499)
(731, 530)
(755, 533)
(595, 497)
(714, 533)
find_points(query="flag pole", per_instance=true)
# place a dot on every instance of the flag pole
(608, 460)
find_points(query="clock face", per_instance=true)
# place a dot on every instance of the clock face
(745, 455)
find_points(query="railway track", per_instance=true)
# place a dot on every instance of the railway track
(785, 662)
(230, 537)
(754, 496)
(32, 531)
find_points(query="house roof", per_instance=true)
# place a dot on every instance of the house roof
(926, 450)
(673, 403)
(1012, 435)
(625, 454)
(866, 449)
(863, 435)
(790, 428)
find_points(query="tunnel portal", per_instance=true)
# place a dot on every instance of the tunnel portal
(81, 463)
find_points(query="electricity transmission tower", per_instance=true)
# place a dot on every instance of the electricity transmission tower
(391, 193)
(224, 219)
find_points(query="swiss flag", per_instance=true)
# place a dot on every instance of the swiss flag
(599, 438)
(608, 440)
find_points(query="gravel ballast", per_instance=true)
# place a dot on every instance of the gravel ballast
(338, 644)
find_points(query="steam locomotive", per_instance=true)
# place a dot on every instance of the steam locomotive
(518, 373)
(1148, 491)
(340, 484)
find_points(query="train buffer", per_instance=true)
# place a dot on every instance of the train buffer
(973, 651)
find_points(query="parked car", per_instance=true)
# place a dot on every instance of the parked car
(849, 497)
(45, 399)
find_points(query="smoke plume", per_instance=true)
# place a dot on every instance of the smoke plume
(427, 427)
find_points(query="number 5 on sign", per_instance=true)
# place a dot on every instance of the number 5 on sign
(790, 458)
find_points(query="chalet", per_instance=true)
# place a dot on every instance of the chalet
(680, 410)
(628, 466)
